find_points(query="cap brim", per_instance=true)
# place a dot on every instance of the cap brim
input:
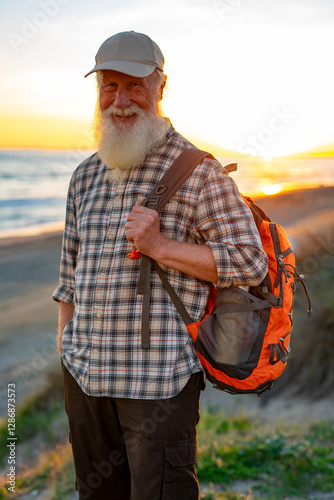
(127, 67)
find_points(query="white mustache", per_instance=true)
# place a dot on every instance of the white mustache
(131, 110)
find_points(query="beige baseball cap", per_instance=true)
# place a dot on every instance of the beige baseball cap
(131, 53)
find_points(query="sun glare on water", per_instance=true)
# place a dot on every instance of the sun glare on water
(272, 189)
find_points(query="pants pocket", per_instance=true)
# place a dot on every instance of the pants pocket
(180, 479)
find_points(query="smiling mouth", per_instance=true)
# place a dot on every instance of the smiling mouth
(123, 118)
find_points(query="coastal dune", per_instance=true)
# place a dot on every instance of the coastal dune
(29, 269)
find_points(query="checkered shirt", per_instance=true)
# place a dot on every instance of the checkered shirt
(102, 344)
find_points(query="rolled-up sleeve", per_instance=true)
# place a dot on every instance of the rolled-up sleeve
(65, 290)
(225, 223)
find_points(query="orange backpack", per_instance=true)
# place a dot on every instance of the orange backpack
(243, 341)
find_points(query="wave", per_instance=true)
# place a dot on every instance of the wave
(31, 202)
(21, 213)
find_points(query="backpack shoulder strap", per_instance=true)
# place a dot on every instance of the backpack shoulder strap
(231, 167)
(175, 176)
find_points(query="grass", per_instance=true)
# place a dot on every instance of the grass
(39, 415)
(279, 461)
(44, 456)
(53, 472)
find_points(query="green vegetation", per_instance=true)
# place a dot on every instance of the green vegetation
(41, 425)
(40, 415)
(279, 461)
(53, 472)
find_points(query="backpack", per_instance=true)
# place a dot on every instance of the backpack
(243, 341)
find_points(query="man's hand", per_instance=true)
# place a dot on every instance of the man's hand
(65, 315)
(143, 230)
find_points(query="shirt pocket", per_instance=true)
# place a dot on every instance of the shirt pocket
(176, 221)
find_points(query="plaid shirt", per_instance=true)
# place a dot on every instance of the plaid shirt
(102, 344)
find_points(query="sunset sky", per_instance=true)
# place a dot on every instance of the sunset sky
(255, 76)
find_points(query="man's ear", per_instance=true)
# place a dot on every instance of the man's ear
(162, 88)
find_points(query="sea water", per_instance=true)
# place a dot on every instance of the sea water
(33, 188)
(34, 183)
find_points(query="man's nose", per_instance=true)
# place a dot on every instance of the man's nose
(122, 99)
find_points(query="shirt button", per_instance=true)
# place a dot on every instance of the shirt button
(98, 315)
(102, 275)
(110, 236)
(95, 351)
(117, 197)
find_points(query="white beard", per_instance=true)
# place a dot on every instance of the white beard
(122, 148)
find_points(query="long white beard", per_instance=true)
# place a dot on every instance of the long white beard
(125, 147)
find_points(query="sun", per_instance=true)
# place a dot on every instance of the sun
(272, 189)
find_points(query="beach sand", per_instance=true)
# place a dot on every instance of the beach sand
(29, 269)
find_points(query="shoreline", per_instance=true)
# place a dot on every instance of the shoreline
(31, 233)
(287, 208)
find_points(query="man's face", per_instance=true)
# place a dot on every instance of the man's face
(126, 94)
(128, 121)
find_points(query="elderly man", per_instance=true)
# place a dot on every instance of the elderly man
(132, 411)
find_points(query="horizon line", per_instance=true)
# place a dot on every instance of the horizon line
(218, 151)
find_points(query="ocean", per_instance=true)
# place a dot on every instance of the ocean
(33, 188)
(34, 183)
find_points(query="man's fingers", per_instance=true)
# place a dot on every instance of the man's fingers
(129, 235)
(139, 218)
(143, 214)
(138, 208)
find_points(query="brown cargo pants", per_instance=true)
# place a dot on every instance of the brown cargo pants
(140, 448)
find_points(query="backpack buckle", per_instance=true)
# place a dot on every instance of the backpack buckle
(279, 302)
(152, 202)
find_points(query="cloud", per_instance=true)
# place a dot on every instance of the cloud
(282, 12)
